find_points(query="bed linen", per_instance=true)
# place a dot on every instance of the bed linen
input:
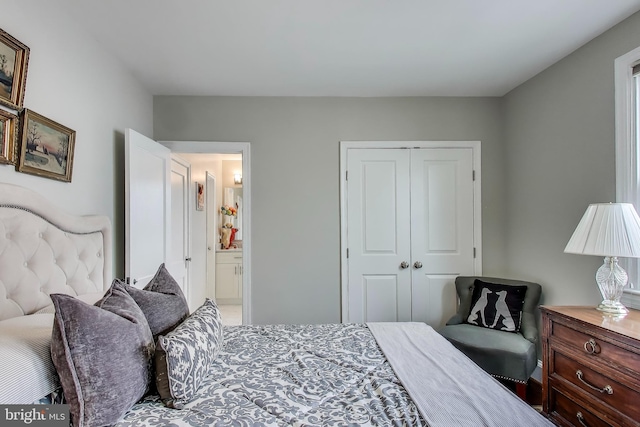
(338, 375)
(291, 375)
(448, 388)
(27, 373)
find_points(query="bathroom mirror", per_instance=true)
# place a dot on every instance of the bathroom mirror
(233, 197)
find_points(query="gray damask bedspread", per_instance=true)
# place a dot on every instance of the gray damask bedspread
(320, 375)
(338, 375)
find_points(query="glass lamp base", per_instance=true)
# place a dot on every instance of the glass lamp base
(611, 280)
(612, 307)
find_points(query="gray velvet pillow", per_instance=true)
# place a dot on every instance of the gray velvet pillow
(161, 301)
(183, 357)
(103, 355)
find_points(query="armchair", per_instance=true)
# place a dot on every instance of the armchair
(507, 355)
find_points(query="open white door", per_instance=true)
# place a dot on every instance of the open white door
(212, 234)
(179, 257)
(147, 207)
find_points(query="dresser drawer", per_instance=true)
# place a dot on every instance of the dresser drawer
(596, 348)
(232, 257)
(598, 385)
(568, 412)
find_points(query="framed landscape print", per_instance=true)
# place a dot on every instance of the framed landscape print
(8, 136)
(14, 58)
(46, 147)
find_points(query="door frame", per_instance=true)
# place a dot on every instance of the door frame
(231, 148)
(477, 201)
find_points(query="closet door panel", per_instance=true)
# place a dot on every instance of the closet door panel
(385, 300)
(433, 299)
(378, 221)
(441, 229)
(442, 210)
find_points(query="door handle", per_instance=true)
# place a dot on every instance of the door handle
(404, 264)
(188, 259)
(417, 264)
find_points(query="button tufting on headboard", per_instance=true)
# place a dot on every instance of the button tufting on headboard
(44, 250)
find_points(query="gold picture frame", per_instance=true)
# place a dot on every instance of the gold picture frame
(8, 137)
(46, 147)
(14, 60)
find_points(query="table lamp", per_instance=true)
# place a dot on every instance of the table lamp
(610, 230)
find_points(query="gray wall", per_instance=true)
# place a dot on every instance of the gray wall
(72, 80)
(547, 152)
(560, 156)
(295, 179)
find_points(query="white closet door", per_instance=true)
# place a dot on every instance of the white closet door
(442, 224)
(378, 222)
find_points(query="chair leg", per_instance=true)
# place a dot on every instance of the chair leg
(521, 391)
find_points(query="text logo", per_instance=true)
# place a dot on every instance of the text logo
(34, 415)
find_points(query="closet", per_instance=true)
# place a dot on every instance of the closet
(411, 224)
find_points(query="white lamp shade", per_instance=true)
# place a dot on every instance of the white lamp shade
(607, 229)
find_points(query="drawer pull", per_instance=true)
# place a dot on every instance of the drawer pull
(606, 389)
(590, 346)
(580, 418)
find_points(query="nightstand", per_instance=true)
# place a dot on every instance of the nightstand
(590, 367)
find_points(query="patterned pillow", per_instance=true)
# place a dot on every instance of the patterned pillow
(162, 302)
(103, 355)
(497, 306)
(183, 356)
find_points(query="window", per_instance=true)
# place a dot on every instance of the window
(627, 81)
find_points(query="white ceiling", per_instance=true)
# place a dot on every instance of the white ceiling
(342, 47)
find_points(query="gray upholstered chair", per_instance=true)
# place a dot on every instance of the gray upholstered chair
(506, 355)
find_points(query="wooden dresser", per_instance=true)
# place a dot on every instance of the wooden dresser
(590, 367)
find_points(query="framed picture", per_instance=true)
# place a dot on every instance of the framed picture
(199, 196)
(8, 137)
(46, 147)
(14, 58)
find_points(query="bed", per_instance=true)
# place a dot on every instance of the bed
(272, 375)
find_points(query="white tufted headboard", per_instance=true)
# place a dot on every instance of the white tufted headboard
(44, 250)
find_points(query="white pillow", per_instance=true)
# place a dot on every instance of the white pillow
(27, 372)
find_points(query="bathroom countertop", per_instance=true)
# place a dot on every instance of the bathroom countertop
(230, 250)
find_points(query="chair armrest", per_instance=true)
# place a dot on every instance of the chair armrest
(528, 327)
(456, 319)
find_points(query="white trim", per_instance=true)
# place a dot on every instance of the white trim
(231, 148)
(627, 164)
(626, 152)
(477, 202)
